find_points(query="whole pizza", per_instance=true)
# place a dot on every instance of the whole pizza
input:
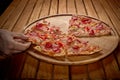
(51, 40)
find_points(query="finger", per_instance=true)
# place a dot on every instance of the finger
(20, 40)
(21, 46)
(20, 36)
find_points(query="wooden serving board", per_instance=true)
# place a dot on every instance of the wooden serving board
(107, 43)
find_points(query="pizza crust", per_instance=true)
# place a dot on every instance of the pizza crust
(62, 53)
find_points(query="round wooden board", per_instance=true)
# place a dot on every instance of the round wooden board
(107, 43)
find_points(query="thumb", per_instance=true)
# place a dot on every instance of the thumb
(21, 46)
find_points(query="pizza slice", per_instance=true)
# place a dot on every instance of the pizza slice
(40, 32)
(81, 26)
(76, 46)
(51, 48)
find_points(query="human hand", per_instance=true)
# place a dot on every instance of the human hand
(11, 42)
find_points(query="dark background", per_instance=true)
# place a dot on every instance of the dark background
(3, 5)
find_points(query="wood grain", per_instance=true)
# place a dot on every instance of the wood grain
(14, 17)
(90, 9)
(23, 20)
(96, 70)
(80, 8)
(114, 7)
(71, 7)
(45, 8)
(117, 55)
(61, 72)
(8, 12)
(36, 11)
(16, 65)
(111, 67)
(78, 72)
(62, 7)
(30, 67)
(54, 7)
(45, 71)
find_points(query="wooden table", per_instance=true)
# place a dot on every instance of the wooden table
(24, 66)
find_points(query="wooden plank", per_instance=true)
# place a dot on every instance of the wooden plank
(45, 9)
(111, 67)
(4, 68)
(54, 7)
(45, 71)
(16, 65)
(117, 55)
(20, 25)
(62, 6)
(96, 71)
(101, 12)
(90, 8)
(114, 7)
(117, 2)
(60, 72)
(35, 14)
(30, 67)
(111, 15)
(71, 8)
(80, 7)
(8, 12)
(79, 72)
(15, 15)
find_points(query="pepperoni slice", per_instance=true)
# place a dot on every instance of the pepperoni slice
(87, 28)
(76, 47)
(91, 32)
(74, 18)
(39, 25)
(48, 45)
(99, 27)
(86, 20)
(56, 49)
(60, 44)
(43, 36)
(69, 40)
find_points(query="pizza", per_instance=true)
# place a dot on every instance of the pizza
(50, 40)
